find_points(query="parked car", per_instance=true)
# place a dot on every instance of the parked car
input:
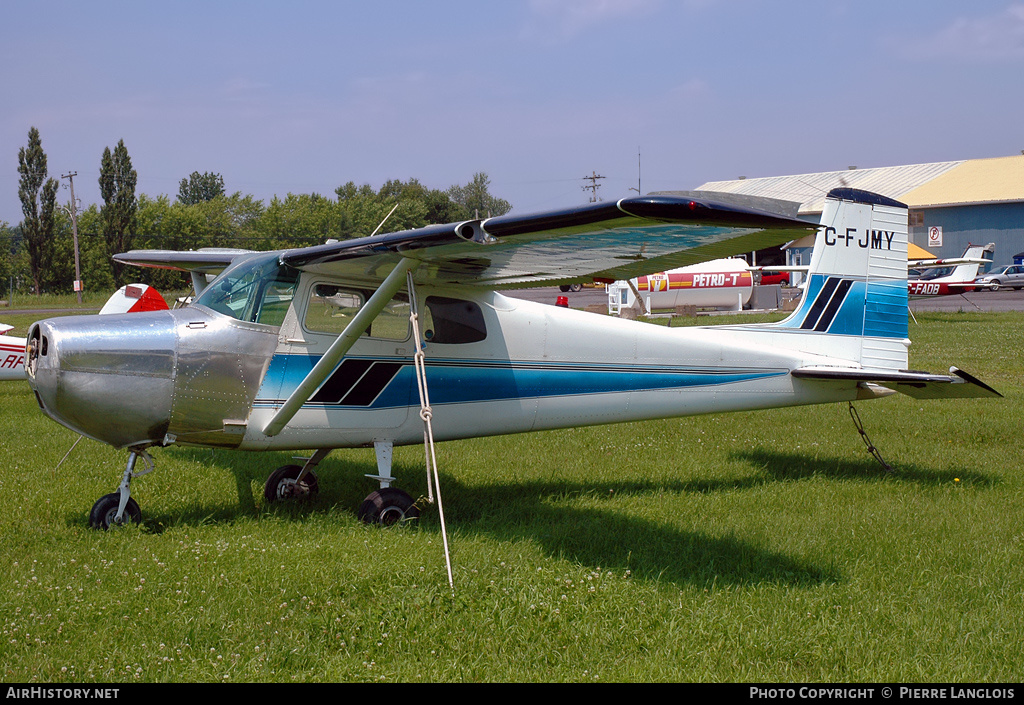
(775, 278)
(1005, 277)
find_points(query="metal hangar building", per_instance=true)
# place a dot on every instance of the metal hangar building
(952, 204)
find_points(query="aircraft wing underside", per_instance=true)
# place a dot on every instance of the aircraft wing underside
(599, 241)
(210, 260)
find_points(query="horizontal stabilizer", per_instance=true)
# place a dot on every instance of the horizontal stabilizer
(920, 385)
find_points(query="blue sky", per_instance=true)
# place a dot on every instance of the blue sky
(302, 96)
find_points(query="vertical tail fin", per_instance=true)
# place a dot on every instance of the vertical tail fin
(968, 271)
(856, 293)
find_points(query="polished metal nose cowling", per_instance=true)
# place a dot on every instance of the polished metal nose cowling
(140, 379)
(110, 378)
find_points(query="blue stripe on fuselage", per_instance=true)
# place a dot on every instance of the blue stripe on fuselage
(462, 381)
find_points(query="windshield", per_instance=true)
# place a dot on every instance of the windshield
(936, 273)
(257, 290)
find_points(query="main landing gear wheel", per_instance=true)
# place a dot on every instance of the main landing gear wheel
(388, 506)
(104, 512)
(282, 486)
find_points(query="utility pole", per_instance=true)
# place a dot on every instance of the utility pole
(70, 176)
(593, 187)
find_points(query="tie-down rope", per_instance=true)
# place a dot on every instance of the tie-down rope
(426, 413)
(867, 441)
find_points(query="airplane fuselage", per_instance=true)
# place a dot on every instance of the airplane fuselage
(493, 365)
(539, 367)
(938, 288)
(12, 358)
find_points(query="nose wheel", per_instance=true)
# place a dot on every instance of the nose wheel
(104, 514)
(118, 508)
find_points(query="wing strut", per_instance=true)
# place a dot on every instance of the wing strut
(356, 327)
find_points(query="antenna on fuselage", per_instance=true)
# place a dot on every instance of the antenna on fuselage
(384, 221)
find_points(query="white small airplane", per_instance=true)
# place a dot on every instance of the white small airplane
(404, 338)
(12, 354)
(944, 277)
(132, 298)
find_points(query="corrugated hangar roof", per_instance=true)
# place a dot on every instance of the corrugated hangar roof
(998, 180)
(919, 185)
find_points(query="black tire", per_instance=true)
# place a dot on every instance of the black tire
(564, 288)
(281, 485)
(105, 509)
(388, 506)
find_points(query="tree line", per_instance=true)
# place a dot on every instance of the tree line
(37, 255)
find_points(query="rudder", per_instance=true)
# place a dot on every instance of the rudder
(857, 280)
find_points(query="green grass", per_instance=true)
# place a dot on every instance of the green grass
(91, 301)
(760, 547)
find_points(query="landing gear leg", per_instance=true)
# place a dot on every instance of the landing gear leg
(388, 505)
(116, 508)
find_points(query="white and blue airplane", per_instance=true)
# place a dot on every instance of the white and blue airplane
(405, 338)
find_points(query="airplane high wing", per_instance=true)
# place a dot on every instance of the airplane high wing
(597, 242)
(405, 338)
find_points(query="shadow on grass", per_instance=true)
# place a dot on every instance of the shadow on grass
(540, 511)
(533, 510)
(609, 539)
(794, 466)
(250, 472)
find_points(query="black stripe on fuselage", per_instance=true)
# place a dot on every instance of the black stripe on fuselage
(343, 379)
(372, 383)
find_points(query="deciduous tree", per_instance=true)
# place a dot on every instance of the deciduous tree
(198, 188)
(476, 200)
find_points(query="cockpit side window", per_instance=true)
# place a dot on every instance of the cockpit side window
(331, 308)
(453, 321)
(274, 302)
(255, 290)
